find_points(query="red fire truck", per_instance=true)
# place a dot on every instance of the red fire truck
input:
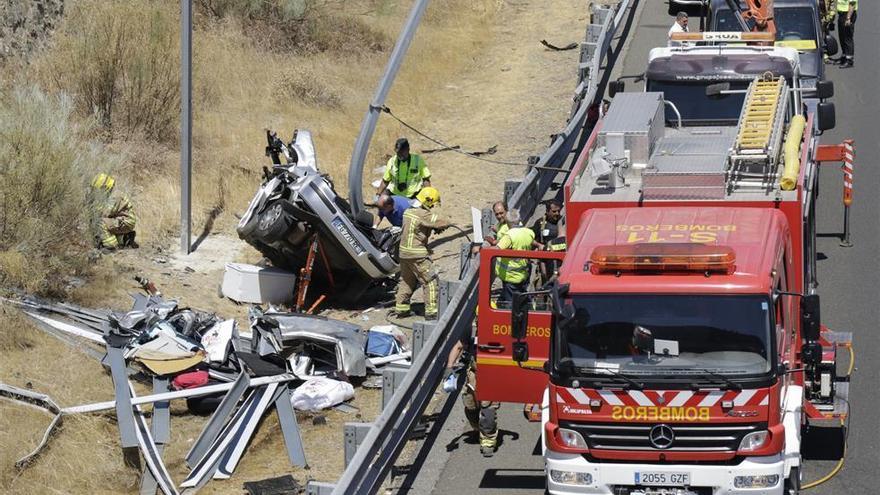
(679, 351)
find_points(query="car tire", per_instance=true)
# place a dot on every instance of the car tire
(792, 485)
(274, 222)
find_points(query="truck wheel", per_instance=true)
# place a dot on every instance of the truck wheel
(274, 222)
(792, 484)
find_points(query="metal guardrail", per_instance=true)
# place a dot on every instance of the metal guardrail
(379, 449)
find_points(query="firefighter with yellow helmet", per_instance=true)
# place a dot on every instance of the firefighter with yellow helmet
(117, 218)
(416, 268)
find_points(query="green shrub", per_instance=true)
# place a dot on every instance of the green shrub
(46, 202)
(119, 59)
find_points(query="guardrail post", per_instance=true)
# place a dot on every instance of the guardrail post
(319, 488)
(510, 186)
(421, 333)
(391, 379)
(600, 13)
(464, 257)
(353, 435)
(447, 289)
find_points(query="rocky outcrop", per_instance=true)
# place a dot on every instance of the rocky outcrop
(25, 24)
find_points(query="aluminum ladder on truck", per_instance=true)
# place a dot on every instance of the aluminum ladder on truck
(758, 144)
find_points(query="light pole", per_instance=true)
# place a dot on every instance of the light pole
(185, 126)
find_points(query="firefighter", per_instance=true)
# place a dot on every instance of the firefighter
(847, 12)
(405, 174)
(116, 215)
(482, 416)
(415, 264)
(827, 10)
(546, 231)
(514, 272)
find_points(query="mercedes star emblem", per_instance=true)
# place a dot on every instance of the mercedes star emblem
(661, 436)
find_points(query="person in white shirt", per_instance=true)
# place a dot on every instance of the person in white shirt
(679, 26)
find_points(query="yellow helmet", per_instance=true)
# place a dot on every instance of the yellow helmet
(104, 181)
(428, 197)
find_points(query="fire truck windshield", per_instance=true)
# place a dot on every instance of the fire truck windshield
(672, 335)
(695, 106)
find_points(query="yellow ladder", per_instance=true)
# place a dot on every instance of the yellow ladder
(759, 117)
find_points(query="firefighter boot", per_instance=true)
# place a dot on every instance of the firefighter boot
(488, 432)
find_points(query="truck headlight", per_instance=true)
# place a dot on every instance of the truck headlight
(571, 477)
(754, 441)
(765, 481)
(571, 439)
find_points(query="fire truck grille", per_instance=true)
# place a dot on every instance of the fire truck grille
(689, 437)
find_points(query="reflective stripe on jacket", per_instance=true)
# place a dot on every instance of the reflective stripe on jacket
(515, 270)
(418, 223)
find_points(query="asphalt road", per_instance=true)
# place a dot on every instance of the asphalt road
(848, 283)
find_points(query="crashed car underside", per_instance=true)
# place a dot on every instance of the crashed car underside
(297, 204)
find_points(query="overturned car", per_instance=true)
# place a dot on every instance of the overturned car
(297, 205)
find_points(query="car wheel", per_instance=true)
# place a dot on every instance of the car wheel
(792, 484)
(274, 222)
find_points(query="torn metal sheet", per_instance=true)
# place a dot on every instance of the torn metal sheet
(68, 328)
(242, 436)
(296, 333)
(205, 468)
(124, 414)
(179, 394)
(379, 361)
(216, 340)
(215, 425)
(289, 427)
(38, 401)
(152, 455)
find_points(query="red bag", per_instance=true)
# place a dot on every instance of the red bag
(190, 379)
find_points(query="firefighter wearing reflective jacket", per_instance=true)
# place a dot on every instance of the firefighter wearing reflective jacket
(514, 272)
(117, 218)
(415, 264)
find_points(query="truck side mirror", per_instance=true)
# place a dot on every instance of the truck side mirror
(615, 87)
(831, 46)
(520, 351)
(811, 353)
(824, 89)
(643, 339)
(826, 115)
(810, 317)
(519, 316)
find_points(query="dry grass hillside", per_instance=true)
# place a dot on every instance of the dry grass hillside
(102, 96)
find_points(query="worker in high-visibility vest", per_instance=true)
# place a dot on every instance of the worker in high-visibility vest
(405, 174)
(514, 272)
(117, 218)
(415, 262)
(847, 11)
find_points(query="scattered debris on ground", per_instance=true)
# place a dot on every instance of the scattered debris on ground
(286, 361)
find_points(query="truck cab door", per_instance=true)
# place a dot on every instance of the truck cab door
(499, 377)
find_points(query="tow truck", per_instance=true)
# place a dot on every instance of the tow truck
(680, 350)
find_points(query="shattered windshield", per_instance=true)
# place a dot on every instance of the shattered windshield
(695, 106)
(639, 335)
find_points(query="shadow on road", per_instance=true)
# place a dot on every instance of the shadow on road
(511, 479)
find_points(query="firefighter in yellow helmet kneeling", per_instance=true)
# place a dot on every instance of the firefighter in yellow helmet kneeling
(117, 218)
(416, 268)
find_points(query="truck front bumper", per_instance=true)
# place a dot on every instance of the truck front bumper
(620, 479)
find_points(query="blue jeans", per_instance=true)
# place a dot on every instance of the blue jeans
(507, 291)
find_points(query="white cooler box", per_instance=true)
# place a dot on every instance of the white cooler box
(258, 285)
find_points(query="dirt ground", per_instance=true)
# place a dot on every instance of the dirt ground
(514, 94)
